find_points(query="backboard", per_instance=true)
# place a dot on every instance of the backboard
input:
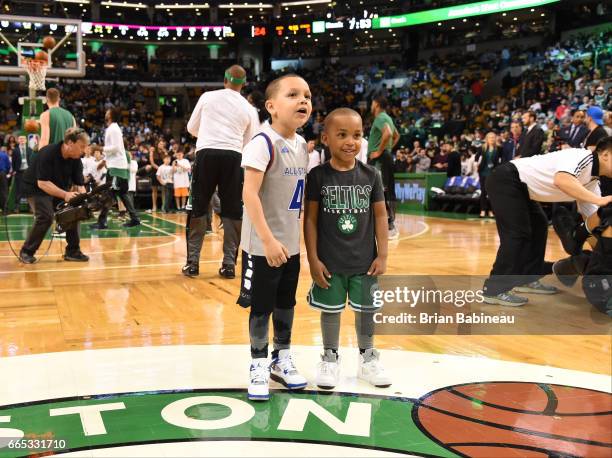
(21, 37)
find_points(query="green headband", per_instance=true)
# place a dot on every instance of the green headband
(234, 80)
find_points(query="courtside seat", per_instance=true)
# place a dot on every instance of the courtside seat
(470, 199)
(450, 188)
(460, 195)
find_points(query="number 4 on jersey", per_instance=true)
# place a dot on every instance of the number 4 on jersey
(298, 195)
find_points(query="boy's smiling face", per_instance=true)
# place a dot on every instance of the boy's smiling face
(343, 136)
(291, 105)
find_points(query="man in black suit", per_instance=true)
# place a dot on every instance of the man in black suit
(21, 159)
(454, 160)
(574, 134)
(533, 137)
(508, 146)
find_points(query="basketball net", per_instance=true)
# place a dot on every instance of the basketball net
(37, 73)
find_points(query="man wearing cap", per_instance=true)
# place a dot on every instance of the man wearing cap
(594, 122)
(223, 122)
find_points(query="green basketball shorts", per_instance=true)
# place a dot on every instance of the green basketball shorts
(359, 288)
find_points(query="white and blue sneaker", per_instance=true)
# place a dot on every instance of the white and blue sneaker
(259, 389)
(284, 372)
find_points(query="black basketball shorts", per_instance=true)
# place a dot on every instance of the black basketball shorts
(265, 288)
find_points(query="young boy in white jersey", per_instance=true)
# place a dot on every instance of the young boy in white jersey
(164, 176)
(89, 164)
(182, 169)
(275, 164)
(346, 235)
(98, 171)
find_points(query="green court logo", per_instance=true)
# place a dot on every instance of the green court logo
(96, 422)
(446, 423)
(347, 224)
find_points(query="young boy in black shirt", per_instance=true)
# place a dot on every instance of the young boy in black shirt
(346, 238)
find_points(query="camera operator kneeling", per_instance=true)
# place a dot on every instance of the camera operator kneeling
(56, 168)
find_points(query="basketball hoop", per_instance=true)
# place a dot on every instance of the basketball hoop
(37, 71)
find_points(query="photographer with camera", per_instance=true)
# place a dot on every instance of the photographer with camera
(55, 169)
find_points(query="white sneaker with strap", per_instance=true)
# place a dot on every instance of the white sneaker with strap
(328, 370)
(283, 371)
(371, 370)
(259, 389)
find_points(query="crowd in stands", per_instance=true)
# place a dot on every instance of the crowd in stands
(161, 167)
(121, 64)
(173, 66)
(88, 102)
(142, 126)
(442, 100)
(438, 106)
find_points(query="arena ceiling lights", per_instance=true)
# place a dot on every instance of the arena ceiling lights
(160, 32)
(83, 2)
(245, 6)
(306, 2)
(456, 12)
(185, 6)
(119, 4)
(190, 6)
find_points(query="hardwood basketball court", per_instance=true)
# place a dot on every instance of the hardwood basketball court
(165, 357)
(131, 293)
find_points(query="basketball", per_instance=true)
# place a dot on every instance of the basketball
(31, 126)
(48, 42)
(497, 418)
(41, 56)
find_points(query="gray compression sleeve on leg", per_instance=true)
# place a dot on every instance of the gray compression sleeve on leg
(259, 325)
(364, 327)
(282, 319)
(330, 330)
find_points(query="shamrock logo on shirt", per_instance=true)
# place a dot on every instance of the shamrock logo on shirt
(347, 224)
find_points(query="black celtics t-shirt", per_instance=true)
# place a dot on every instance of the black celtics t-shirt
(346, 241)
